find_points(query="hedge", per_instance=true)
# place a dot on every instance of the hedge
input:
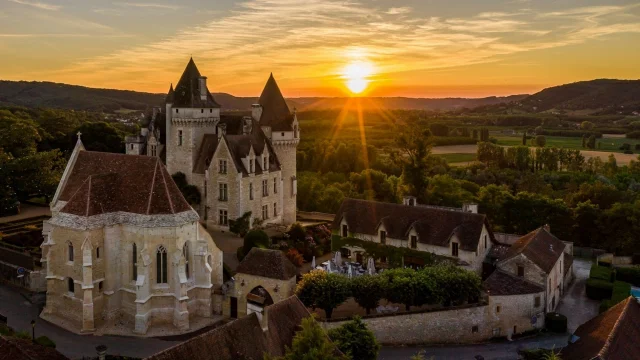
(556, 322)
(629, 274)
(45, 341)
(598, 289)
(621, 291)
(602, 273)
(394, 255)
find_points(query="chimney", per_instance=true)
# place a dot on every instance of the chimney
(256, 111)
(222, 130)
(102, 352)
(247, 125)
(202, 82)
(409, 201)
(470, 208)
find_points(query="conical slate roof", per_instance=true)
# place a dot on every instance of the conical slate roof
(187, 91)
(169, 98)
(275, 112)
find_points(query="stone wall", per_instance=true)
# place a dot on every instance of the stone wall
(286, 152)
(455, 325)
(285, 290)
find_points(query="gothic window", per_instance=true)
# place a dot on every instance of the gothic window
(134, 262)
(275, 185)
(250, 191)
(222, 192)
(265, 212)
(179, 137)
(454, 249)
(69, 251)
(265, 188)
(275, 209)
(222, 166)
(185, 252)
(161, 265)
(222, 217)
(71, 286)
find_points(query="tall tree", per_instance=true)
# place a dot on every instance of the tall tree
(415, 147)
(310, 343)
(355, 340)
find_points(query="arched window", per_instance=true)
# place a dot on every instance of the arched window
(161, 265)
(70, 285)
(134, 262)
(69, 251)
(185, 252)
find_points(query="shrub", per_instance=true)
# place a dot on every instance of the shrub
(317, 289)
(294, 256)
(621, 291)
(629, 274)
(599, 289)
(22, 335)
(255, 238)
(5, 330)
(241, 225)
(368, 290)
(556, 322)
(355, 340)
(536, 354)
(540, 141)
(296, 232)
(45, 341)
(601, 272)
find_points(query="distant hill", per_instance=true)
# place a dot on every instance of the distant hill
(602, 96)
(57, 95)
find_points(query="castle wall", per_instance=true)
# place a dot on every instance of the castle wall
(286, 152)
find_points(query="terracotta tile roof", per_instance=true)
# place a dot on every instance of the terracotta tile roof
(539, 246)
(187, 91)
(434, 226)
(500, 283)
(244, 339)
(612, 335)
(267, 263)
(275, 112)
(106, 182)
(19, 349)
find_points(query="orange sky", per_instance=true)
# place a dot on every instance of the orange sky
(432, 48)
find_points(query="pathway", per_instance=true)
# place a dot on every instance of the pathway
(494, 351)
(20, 312)
(27, 211)
(575, 304)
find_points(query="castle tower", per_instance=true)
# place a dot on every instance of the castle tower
(281, 127)
(191, 113)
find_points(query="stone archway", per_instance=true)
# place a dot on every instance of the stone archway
(257, 299)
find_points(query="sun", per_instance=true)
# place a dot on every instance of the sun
(357, 76)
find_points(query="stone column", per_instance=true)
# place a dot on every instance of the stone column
(142, 292)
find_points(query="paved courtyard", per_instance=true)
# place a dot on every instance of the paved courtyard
(229, 244)
(575, 304)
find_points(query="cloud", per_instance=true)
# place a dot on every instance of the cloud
(312, 40)
(398, 10)
(37, 4)
(148, 5)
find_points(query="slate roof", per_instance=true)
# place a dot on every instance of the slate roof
(244, 339)
(275, 112)
(205, 153)
(500, 283)
(612, 335)
(539, 246)
(20, 349)
(434, 226)
(187, 91)
(107, 182)
(267, 263)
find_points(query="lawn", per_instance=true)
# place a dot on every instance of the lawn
(457, 157)
(606, 144)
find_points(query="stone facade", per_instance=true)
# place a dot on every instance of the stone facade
(285, 289)
(515, 314)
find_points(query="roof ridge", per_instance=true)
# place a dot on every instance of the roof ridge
(153, 182)
(614, 330)
(166, 188)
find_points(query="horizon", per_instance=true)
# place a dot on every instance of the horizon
(388, 49)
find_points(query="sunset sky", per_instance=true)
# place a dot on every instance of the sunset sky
(416, 48)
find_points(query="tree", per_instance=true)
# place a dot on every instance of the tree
(37, 174)
(541, 141)
(586, 125)
(101, 136)
(355, 340)
(368, 290)
(443, 190)
(310, 343)
(591, 142)
(524, 138)
(297, 232)
(539, 130)
(439, 129)
(241, 225)
(317, 289)
(18, 134)
(255, 238)
(416, 147)
(584, 141)
(492, 199)
(190, 192)
(585, 224)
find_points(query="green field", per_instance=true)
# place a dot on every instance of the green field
(457, 157)
(606, 144)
